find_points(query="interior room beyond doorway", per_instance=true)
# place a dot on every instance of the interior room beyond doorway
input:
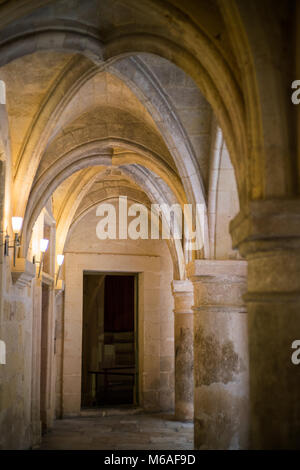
(109, 343)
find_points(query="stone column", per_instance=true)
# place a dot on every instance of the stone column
(268, 235)
(220, 354)
(183, 333)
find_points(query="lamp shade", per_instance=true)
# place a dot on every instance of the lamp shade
(43, 244)
(60, 259)
(16, 223)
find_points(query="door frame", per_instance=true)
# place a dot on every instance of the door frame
(149, 311)
(136, 321)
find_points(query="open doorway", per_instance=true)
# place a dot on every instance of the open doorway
(109, 340)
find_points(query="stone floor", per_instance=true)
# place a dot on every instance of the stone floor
(119, 430)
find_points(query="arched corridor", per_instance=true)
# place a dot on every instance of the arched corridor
(149, 210)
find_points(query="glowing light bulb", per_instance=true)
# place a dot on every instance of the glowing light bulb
(43, 244)
(60, 259)
(16, 224)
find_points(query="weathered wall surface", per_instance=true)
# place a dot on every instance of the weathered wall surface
(221, 391)
(26, 327)
(15, 375)
(15, 323)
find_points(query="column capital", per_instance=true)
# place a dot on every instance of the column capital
(216, 268)
(263, 223)
(183, 293)
(268, 235)
(181, 287)
(218, 284)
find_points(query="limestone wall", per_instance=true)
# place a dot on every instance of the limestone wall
(227, 206)
(15, 322)
(15, 375)
(27, 328)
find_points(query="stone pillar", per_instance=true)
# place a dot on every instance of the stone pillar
(268, 235)
(220, 354)
(183, 334)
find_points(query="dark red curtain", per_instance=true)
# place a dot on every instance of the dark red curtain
(119, 303)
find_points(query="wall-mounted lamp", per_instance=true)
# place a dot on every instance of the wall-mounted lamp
(60, 260)
(43, 248)
(16, 223)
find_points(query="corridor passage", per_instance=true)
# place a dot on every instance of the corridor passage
(122, 431)
(150, 224)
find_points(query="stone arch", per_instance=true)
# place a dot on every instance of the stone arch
(202, 60)
(159, 194)
(155, 188)
(217, 147)
(222, 196)
(258, 44)
(151, 186)
(80, 187)
(75, 161)
(239, 113)
(83, 184)
(36, 139)
(149, 92)
(115, 131)
(41, 194)
(177, 257)
(91, 154)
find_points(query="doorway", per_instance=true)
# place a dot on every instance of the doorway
(109, 340)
